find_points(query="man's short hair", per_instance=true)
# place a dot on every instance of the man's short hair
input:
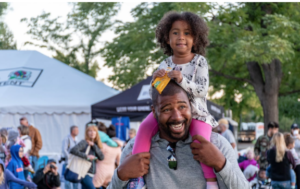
(22, 118)
(171, 89)
(272, 125)
(132, 130)
(72, 127)
(51, 161)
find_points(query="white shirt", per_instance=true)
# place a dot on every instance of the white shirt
(195, 82)
(27, 141)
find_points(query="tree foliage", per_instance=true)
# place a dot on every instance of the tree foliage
(6, 37)
(75, 41)
(246, 39)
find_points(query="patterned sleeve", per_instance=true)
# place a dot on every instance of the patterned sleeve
(198, 87)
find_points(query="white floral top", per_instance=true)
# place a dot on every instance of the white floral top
(195, 82)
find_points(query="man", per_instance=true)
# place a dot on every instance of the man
(179, 167)
(262, 145)
(132, 134)
(69, 142)
(36, 141)
(48, 176)
(226, 133)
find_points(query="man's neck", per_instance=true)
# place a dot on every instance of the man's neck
(73, 136)
(170, 140)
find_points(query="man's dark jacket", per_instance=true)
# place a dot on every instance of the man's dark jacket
(46, 181)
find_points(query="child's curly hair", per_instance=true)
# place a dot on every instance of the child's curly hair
(198, 27)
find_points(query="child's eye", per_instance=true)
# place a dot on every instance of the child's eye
(182, 107)
(175, 33)
(166, 110)
(187, 33)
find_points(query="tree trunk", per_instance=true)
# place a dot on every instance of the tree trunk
(266, 81)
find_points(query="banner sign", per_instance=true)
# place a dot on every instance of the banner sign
(22, 77)
(144, 93)
(133, 109)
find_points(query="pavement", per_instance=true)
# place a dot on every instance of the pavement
(244, 145)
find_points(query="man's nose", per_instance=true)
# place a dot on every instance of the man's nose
(176, 115)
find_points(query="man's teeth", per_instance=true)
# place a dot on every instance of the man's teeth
(177, 127)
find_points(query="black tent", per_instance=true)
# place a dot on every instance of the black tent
(136, 104)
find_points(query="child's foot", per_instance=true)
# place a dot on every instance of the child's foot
(212, 185)
(137, 183)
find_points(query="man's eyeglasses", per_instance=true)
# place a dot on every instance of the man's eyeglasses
(172, 161)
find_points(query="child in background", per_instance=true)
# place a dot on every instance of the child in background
(290, 144)
(183, 37)
(16, 166)
(250, 161)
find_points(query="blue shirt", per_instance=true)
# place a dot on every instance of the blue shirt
(121, 124)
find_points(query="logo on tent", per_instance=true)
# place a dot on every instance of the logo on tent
(20, 75)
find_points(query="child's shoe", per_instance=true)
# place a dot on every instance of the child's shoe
(136, 183)
(30, 169)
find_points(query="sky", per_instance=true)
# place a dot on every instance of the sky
(19, 10)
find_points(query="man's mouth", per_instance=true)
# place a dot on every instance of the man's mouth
(177, 127)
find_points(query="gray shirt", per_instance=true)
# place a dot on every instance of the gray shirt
(230, 138)
(297, 145)
(68, 143)
(189, 173)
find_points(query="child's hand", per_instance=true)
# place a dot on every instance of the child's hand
(176, 75)
(159, 73)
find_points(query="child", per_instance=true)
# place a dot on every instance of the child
(290, 144)
(250, 161)
(16, 166)
(13, 138)
(183, 37)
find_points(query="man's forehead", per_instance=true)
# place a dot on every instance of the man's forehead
(176, 98)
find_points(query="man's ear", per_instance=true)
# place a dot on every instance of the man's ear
(153, 109)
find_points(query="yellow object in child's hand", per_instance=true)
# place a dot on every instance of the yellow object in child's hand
(160, 83)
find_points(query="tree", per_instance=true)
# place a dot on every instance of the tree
(6, 37)
(75, 41)
(253, 52)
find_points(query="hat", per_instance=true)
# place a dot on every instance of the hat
(223, 121)
(294, 126)
(51, 161)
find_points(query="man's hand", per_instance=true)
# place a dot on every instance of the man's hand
(158, 73)
(46, 169)
(54, 170)
(134, 166)
(207, 153)
(176, 75)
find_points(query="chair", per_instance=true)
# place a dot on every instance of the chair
(42, 162)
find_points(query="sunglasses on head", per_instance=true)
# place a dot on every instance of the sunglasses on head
(172, 161)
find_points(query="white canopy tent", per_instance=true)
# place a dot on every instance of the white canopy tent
(52, 95)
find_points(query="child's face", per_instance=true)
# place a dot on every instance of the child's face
(291, 146)
(21, 152)
(262, 175)
(180, 38)
(250, 155)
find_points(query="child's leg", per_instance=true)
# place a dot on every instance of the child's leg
(147, 130)
(201, 128)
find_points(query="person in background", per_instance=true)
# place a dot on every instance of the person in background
(102, 130)
(7, 177)
(225, 132)
(68, 143)
(36, 141)
(290, 144)
(16, 166)
(24, 135)
(47, 177)
(296, 135)
(262, 145)
(111, 131)
(280, 160)
(92, 139)
(3, 150)
(260, 181)
(132, 134)
(4, 133)
(250, 161)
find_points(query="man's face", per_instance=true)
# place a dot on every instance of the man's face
(75, 131)
(174, 116)
(273, 131)
(24, 122)
(131, 134)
